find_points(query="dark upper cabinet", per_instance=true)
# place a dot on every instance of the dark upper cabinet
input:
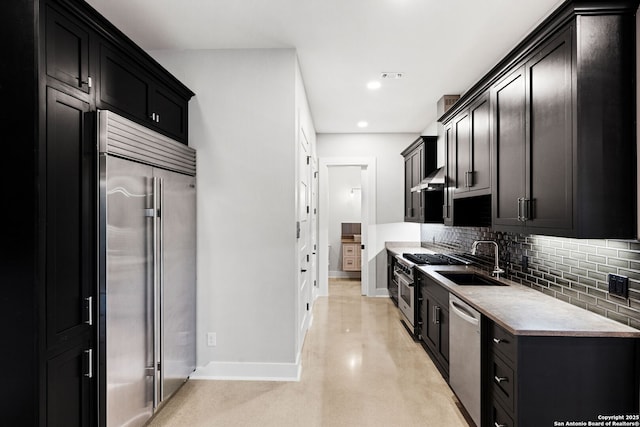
(478, 181)
(509, 110)
(548, 197)
(124, 87)
(170, 111)
(562, 127)
(532, 111)
(67, 51)
(471, 165)
(413, 165)
(449, 170)
(128, 89)
(419, 161)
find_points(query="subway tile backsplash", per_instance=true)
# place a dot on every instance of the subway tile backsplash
(572, 270)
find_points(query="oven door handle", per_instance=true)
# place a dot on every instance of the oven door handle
(404, 279)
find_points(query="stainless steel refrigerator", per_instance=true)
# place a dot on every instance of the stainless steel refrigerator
(147, 269)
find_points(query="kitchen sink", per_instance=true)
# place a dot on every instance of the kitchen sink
(470, 279)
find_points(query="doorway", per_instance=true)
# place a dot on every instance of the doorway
(363, 196)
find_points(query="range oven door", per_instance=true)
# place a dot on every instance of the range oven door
(406, 297)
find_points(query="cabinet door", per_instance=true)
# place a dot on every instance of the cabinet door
(462, 164)
(509, 108)
(408, 197)
(69, 189)
(430, 329)
(549, 168)
(450, 183)
(67, 51)
(169, 112)
(480, 145)
(124, 87)
(416, 176)
(69, 383)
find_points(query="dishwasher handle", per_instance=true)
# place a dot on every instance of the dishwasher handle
(463, 312)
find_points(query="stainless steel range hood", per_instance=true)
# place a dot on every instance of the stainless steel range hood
(434, 181)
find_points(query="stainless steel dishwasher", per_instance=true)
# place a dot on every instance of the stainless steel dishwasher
(464, 355)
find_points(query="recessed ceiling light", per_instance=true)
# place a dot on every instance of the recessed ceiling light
(389, 75)
(362, 124)
(373, 85)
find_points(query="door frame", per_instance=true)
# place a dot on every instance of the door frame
(368, 184)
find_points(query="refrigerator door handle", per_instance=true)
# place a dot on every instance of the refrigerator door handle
(160, 290)
(155, 284)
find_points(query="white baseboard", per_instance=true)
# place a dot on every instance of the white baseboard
(382, 292)
(240, 371)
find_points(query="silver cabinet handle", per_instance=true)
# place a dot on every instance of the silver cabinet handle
(89, 303)
(500, 379)
(499, 425)
(519, 208)
(89, 354)
(436, 314)
(468, 179)
(497, 340)
(88, 82)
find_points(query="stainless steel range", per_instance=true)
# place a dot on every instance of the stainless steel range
(403, 275)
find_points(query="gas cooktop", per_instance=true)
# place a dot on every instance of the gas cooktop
(434, 259)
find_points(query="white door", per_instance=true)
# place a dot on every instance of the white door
(314, 225)
(304, 235)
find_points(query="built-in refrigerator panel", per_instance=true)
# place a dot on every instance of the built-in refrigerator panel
(128, 296)
(147, 269)
(179, 275)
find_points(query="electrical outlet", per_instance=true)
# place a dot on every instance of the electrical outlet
(619, 285)
(211, 339)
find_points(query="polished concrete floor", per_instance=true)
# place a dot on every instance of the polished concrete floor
(359, 368)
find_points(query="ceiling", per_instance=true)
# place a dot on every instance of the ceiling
(441, 47)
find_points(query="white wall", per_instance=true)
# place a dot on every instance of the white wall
(344, 206)
(390, 225)
(242, 123)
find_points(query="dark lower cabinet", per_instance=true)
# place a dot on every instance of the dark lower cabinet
(433, 321)
(535, 381)
(70, 388)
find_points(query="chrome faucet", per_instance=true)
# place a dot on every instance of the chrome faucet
(496, 268)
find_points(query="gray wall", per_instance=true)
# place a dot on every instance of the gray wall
(242, 122)
(572, 270)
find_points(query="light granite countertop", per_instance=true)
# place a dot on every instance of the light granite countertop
(522, 310)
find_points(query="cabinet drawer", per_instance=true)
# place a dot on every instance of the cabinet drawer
(502, 381)
(502, 342)
(499, 417)
(350, 263)
(349, 250)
